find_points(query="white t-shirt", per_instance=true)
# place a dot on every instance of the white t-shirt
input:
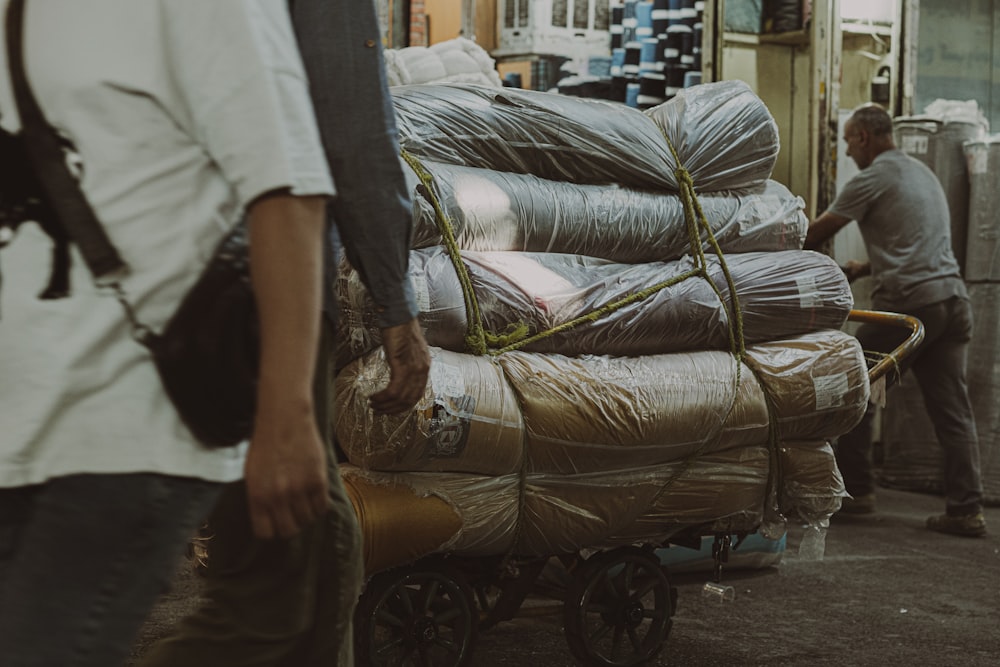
(182, 112)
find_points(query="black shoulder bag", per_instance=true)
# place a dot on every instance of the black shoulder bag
(207, 356)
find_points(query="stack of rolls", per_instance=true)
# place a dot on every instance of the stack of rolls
(635, 387)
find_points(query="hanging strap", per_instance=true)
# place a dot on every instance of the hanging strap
(42, 144)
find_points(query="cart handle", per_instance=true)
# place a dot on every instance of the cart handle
(904, 350)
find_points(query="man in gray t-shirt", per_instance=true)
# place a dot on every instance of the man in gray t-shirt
(903, 216)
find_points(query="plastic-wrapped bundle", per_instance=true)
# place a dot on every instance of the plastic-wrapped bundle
(811, 485)
(723, 133)
(495, 210)
(817, 381)
(780, 294)
(583, 140)
(467, 420)
(599, 413)
(458, 59)
(589, 414)
(479, 515)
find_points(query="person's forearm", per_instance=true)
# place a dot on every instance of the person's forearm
(822, 228)
(286, 234)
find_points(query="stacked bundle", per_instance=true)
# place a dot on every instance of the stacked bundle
(621, 405)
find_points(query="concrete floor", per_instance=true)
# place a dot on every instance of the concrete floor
(888, 593)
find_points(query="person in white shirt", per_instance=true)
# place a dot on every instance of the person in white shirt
(185, 115)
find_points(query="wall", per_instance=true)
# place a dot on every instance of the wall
(958, 54)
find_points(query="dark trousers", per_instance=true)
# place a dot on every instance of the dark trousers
(940, 367)
(286, 602)
(83, 559)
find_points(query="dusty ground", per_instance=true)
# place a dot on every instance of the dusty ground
(888, 593)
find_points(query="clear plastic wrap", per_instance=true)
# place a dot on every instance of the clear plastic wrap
(780, 295)
(495, 210)
(817, 381)
(599, 413)
(811, 485)
(468, 418)
(584, 140)
(723, 133)
(401, 516)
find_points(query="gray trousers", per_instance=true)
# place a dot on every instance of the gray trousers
(940, 367)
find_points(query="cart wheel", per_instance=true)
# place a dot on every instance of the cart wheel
(417, 615)
(618, 608)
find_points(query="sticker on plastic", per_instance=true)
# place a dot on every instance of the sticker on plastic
(830, 390)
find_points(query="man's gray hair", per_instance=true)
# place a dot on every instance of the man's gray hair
(873, 119)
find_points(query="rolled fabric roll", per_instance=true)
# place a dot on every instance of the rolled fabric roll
(597, 414)
(811, 484)
(553, 136)
(721, 492)
(583, 140)
(467, 420)
(407, 513)
(818, 383)
(723, 133)
(586, 414)
(781, 294)
(492, 210)
(398, 526)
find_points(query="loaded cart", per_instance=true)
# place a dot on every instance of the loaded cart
(618, 603)
(630, 349)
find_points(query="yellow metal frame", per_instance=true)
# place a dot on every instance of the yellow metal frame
(905, 349)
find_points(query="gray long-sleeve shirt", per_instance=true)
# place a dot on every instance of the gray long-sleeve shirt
(341, 48)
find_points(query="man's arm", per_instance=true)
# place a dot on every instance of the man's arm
(285, 469)
(341, 48)
(823, 228)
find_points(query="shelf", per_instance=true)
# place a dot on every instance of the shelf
(793, 38)
(866, 29)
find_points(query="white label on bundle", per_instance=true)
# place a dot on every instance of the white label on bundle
(915, 144)
(809, 296)
(978, 162)
(447, 380)
(830, 390)
(421, 292)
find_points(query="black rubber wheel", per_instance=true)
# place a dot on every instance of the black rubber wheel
(618, 608)
(420, 615)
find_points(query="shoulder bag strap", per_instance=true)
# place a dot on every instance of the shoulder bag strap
(42, 144)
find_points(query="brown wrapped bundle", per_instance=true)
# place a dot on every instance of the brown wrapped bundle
(811, 485)
(467, 420)
(398, 526)
(596, 414)
(781, 294)
(407, 515)
(566, 512)
(586, 414)
(723, 491)
(818, 382)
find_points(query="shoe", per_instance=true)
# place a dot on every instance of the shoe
(860, 504)
(967, 525)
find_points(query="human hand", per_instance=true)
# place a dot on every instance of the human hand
(286, 474)
(409, 363)
(854, 269)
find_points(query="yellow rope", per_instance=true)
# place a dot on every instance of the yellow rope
(478, 341)
(475, 337)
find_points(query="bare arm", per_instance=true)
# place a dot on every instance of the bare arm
(823, 228)
(854, 269)
(285, 470)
